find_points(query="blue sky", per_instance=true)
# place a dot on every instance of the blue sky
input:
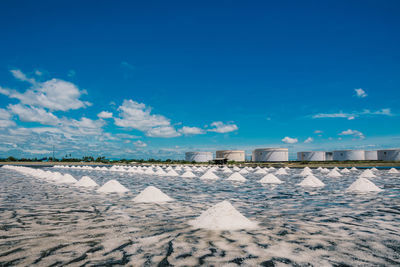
(158, 78)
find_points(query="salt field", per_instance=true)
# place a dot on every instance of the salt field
(189, 216)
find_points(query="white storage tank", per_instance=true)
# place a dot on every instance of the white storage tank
(343, 155)
(231, 155)
(328, 156)
(198, 156)
(270, 154)
(311, 156)
(389, 154)
(371, 155)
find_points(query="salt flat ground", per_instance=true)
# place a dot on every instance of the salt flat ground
(48, 224)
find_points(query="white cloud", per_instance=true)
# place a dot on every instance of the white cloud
(22, 77)
(354, 133)
(308, 140)
(140, 144)
(360, 93)
(318, 131)
(353, 115)
(289, 140)
(191, 130)
(33, 114)
(38, 73)
(5, 119)
(163, 131)
(220, 127)
(105, 115)
(138, 116)
(53, 94)
(334, 115)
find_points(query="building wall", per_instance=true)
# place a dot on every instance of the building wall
(270, 154)
(328, 156)
(231, 155)
(198, 156)
(389, 154)
(371, 155)
(311, 156)
(343, 155)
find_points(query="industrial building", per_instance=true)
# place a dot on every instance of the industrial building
(270, 154)
(328, 156)
(231, 155)
(389, 154)
(311, 156)
(198, 156)
(343, 155)
(371, 155)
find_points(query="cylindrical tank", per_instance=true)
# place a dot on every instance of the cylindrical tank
(343, 155)
(328, 156)
(371, 155)
(231, 155)
(311, 156)
(389, 154)
(198, 156)
(270, 154)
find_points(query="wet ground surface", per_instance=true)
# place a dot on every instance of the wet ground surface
(46, 224)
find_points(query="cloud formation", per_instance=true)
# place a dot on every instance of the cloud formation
(308, 140)
(289, 140)
(360, 93)
(353, 115)
(354, 133)
(220, 127)
(105, 115)
(185, 130)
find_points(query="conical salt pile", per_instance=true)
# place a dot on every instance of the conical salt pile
(160, 172)
(152, 194)
(325, 170)
(345, 170)
(112, 186)
(86, 181)
(236, 169)
(243, 171)
(188, 174)
(311, 181)
(305, 172)
(209, 175)
(222, 216)
(270, 179)
(172, 173)
(334, 173)
(260, 171)
(367, 174)
(374, 169)
(363, 185)
(353, 169)
(66, 179)
(281, 171)
(236, 177)
(149, 171)
(393, 170)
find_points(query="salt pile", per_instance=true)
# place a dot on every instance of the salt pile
(112, 186)
(353, 169)
(305, 172)
(324, 170)
(367, 174)
(236, 177)
(270, 179)
(172, 173)
(281, 171)
(149, 171)
(260, 171)
(222, 216)
(334, 173)
(243, 171)
(345, 170)
(86, 181)
(393, 170)
(66, 179)
(152, 194)
(363, 185)
(311, 181)
(227, 170)
(374, 169)
(188, 174)
(209, 175)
